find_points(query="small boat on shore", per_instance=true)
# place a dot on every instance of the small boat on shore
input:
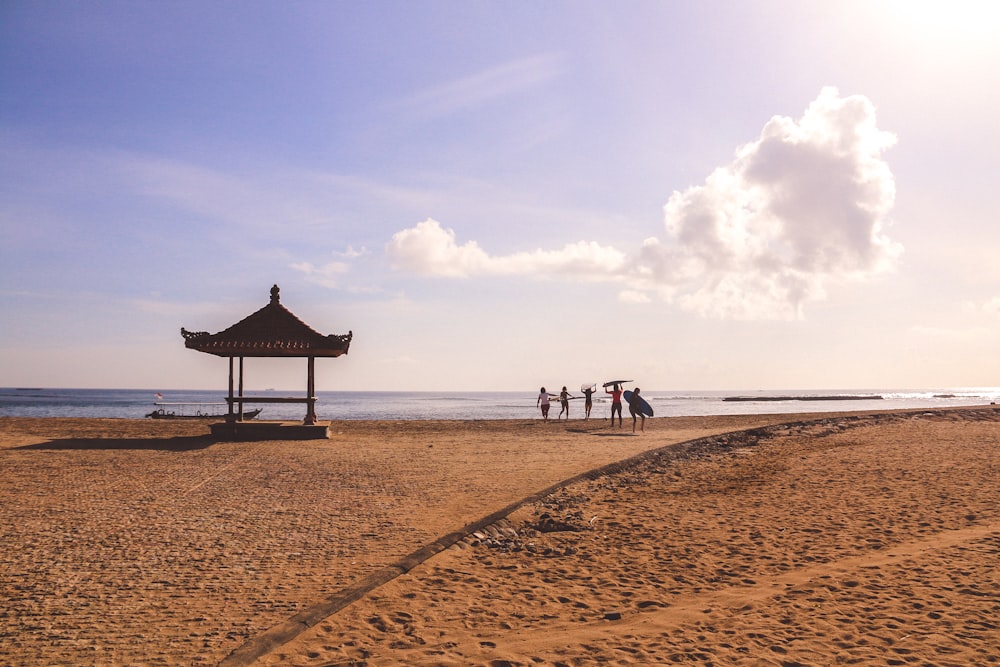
(194, 411)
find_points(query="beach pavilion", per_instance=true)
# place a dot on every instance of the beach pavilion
(272, 331)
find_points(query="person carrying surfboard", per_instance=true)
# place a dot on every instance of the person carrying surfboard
(616, 403)
(588, 403)
(635, 408)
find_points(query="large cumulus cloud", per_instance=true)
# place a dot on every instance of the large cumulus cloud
(805, 204)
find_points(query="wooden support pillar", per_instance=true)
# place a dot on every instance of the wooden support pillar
(311, 393)
(240, 417)
(230, 415)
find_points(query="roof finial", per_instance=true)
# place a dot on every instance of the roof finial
(274, 294)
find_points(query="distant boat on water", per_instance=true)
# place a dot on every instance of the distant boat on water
(832, 397)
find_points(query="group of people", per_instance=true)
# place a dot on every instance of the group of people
(544, 401)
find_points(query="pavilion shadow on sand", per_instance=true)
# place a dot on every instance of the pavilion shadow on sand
(272, 331)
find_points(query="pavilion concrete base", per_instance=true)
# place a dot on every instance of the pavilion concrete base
(270, 430)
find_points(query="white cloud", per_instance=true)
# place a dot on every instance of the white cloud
(351, 253)
(805, 205)
(986, 307)
(428, 249)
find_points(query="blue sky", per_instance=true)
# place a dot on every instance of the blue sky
(501, 195)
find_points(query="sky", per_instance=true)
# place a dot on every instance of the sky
(699, 195)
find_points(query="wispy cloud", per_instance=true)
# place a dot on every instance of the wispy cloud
(162, 307)
(330, 274)
(327, 275)
(264, 202)
(954, 335)
(805, 205)
(482, 87)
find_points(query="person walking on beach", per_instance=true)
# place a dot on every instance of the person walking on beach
(543, 403)
(635, 408)
(616, 403)
(564, 402)
(588, 401)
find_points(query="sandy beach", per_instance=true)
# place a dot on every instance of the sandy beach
(863, 538)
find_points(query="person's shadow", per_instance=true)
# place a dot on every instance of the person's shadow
(602, 433)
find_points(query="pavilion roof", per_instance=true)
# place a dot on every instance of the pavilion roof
(272, 331)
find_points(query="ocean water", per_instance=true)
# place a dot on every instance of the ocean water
(337, 405)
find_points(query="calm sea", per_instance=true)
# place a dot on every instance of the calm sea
(137, 403)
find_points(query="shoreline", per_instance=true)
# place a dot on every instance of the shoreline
(403, 406)
(167, 511)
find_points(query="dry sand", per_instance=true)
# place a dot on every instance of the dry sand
(851, 539)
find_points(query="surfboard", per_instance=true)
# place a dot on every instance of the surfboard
(585, 387)
(643, 405)
(611, 382)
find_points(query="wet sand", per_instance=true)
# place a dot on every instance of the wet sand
(855, 539)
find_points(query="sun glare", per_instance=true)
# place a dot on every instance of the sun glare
(951, 20)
